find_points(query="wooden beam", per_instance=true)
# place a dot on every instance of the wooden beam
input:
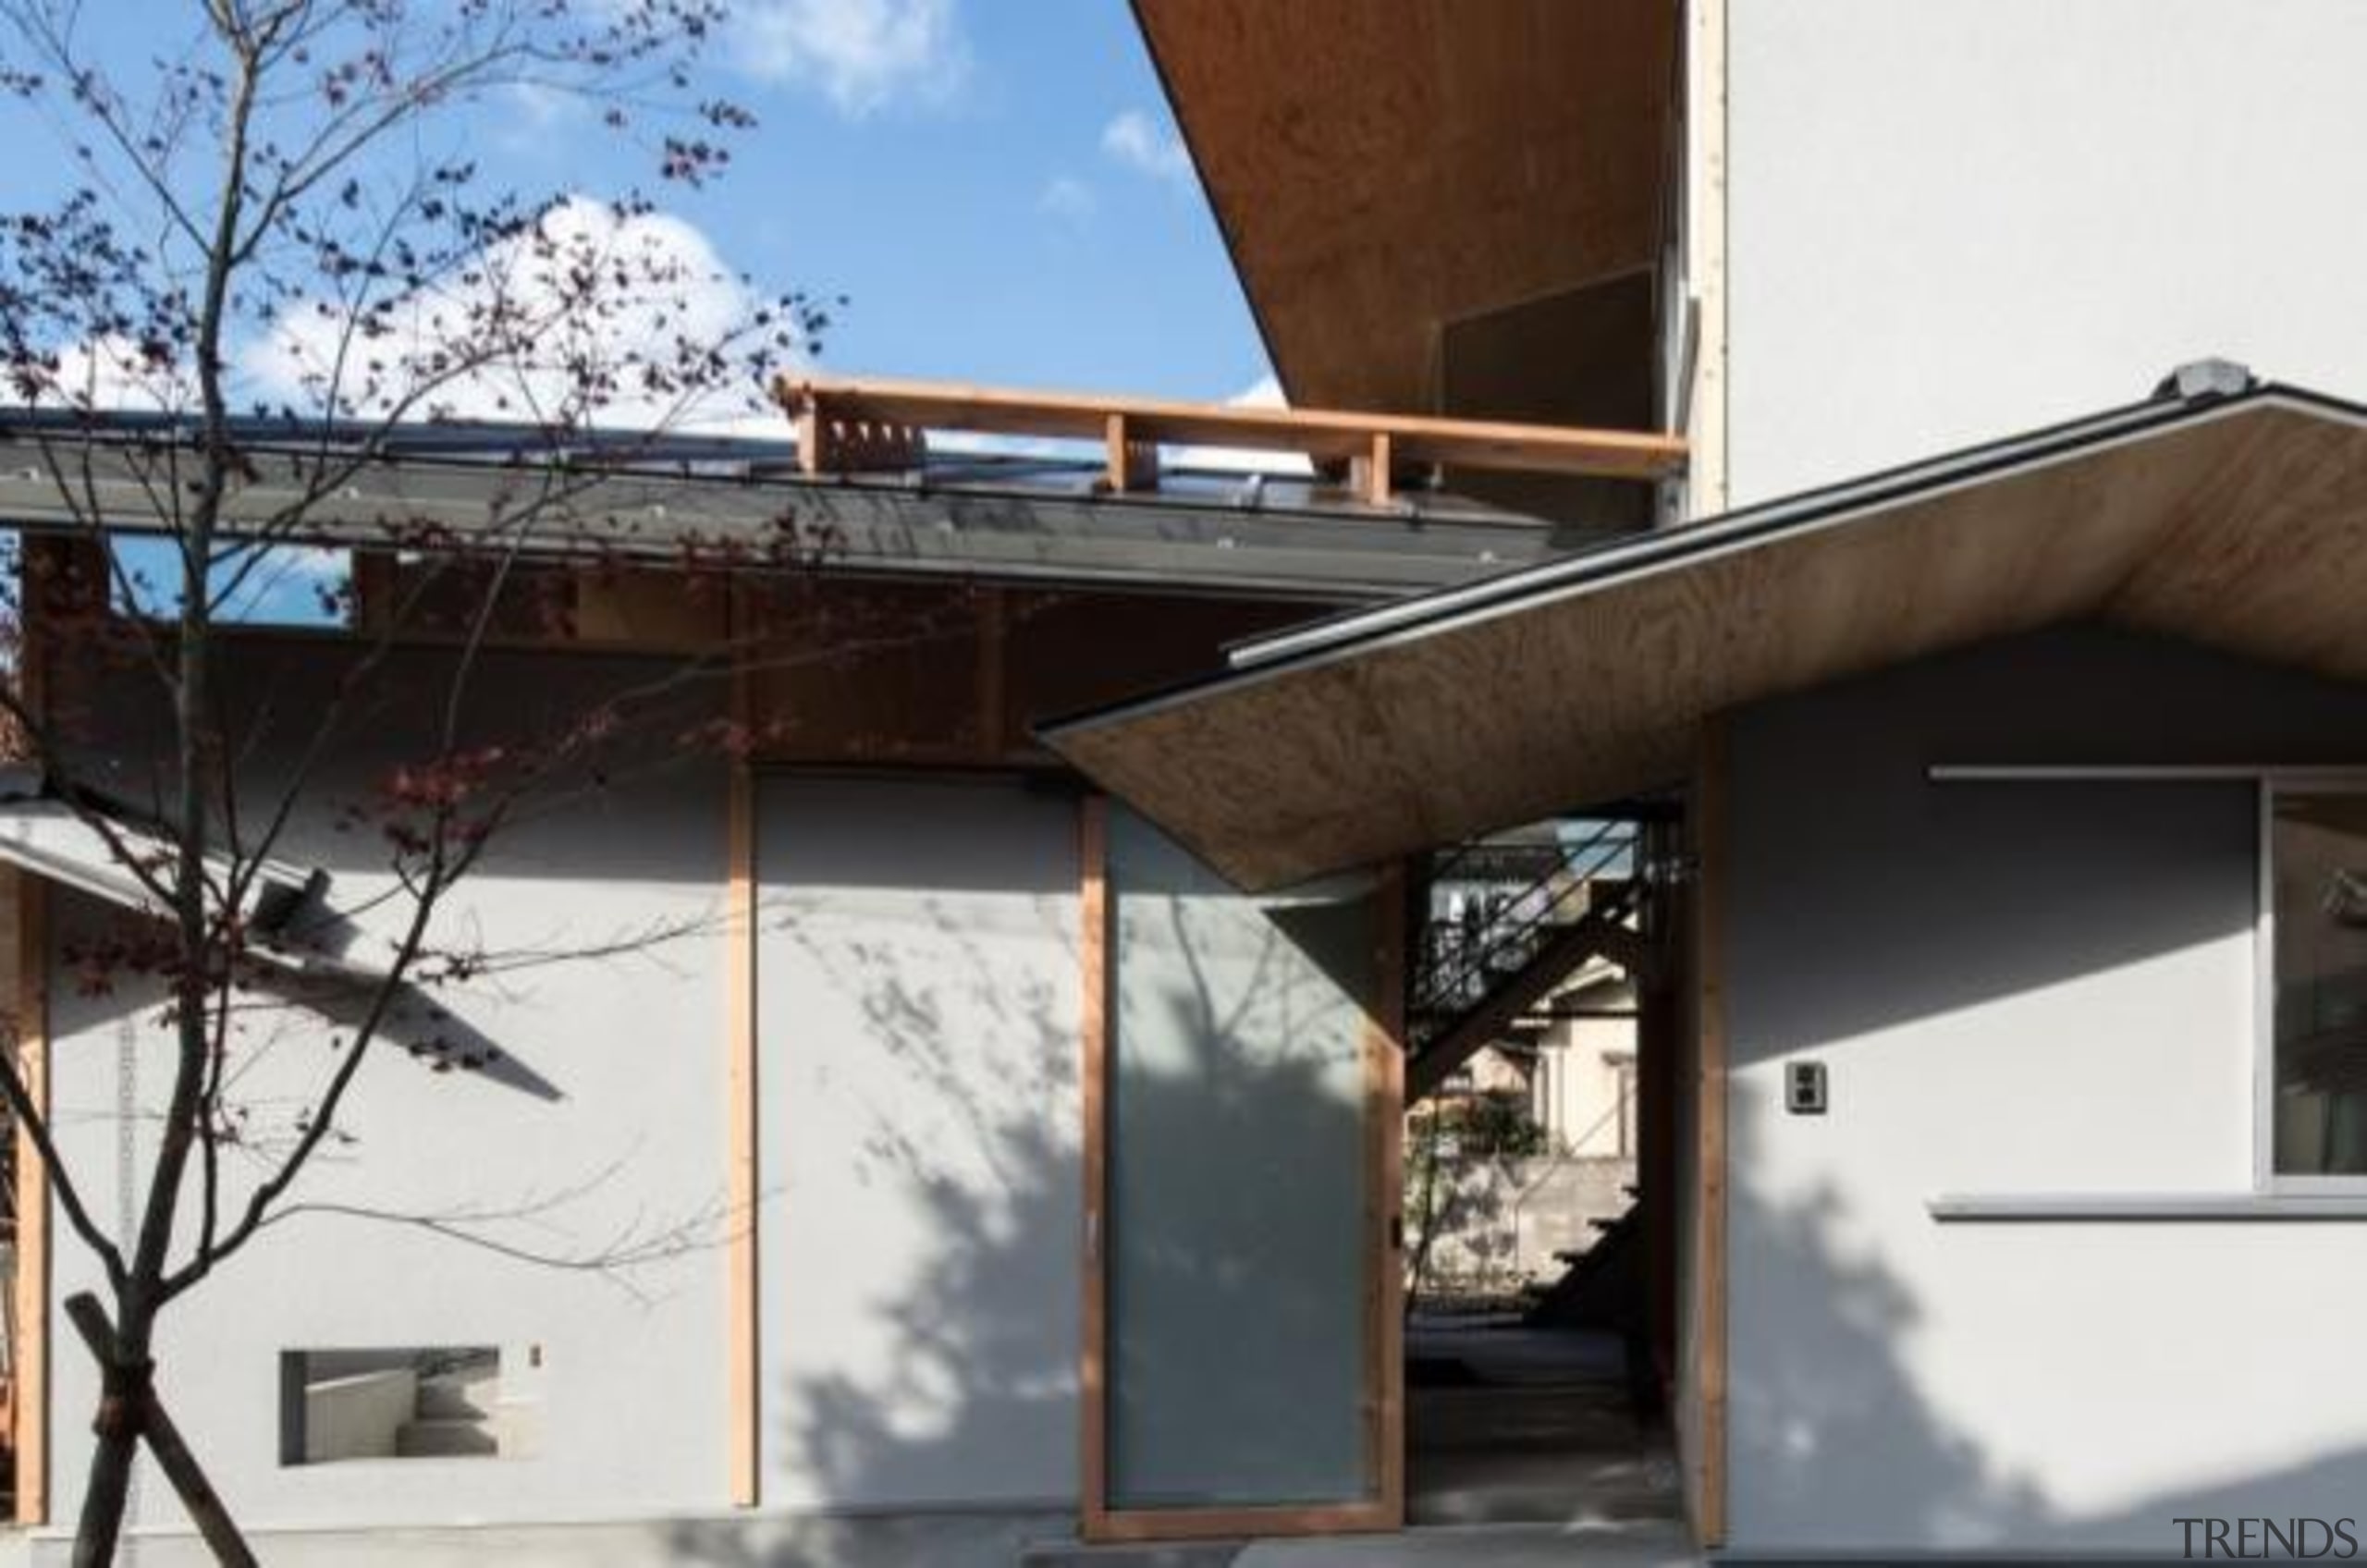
(742, 1336)
(1709, 794)
(1230, 1524)
(1322, 433)
(1093, 925)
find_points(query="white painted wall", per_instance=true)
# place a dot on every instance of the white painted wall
(626, 1141)
(1950, 220)
(1585, 1097)
(2017, 988)
(919, 983)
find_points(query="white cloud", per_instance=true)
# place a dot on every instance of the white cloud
(862, 55)
(1067, 199)
(112, 373)
(1266, 392)
(539, 119)
(1147, 147)
(662, 285)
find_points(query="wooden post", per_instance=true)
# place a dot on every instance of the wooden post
(29, 1355)
(993, 688)
(1705, 192)
(743, 1334)
(164, 1439)
(377, 584)
(1384, 1053)
(64, 581)
(1128, 464)
(807, 414)
(1093, 922)
(1372, 477)
(1709, 785)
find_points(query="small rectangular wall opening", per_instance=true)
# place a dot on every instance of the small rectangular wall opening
(410, 1402)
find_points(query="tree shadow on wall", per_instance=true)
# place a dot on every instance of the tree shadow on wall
(1836, 1439)
(924, 1407)
(941, 1384)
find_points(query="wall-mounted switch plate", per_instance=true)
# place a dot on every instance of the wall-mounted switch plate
(1804, 1093)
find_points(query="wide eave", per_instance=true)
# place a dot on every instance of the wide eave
(1380, 171)
(2237, 521)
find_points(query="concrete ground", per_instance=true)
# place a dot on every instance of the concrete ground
(1656, 1545)
(1522, 1452)
(1510, 1425)
(1640, 1545)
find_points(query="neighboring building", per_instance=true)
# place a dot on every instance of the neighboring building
(1991, 889)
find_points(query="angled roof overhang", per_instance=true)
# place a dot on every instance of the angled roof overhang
(2235, 521)
(1380, 171)
(95, 853)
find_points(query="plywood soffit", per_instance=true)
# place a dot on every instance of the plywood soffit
(1379, 170)
(2241, 526)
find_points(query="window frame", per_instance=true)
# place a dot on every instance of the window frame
(2266, 1178)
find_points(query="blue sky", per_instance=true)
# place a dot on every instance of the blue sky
(997, 185)
(978, 205)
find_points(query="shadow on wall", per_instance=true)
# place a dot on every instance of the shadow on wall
(1959, 894)
(1844, 1393)
(2039, 985)
(956, 1393)
(1842, 1387)
(977, 1336)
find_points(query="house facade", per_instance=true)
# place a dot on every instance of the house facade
(961, 1117)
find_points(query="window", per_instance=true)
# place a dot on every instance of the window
(2317, 909)
(418, 1402)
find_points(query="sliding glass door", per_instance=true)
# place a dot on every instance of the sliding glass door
(1242, 1366)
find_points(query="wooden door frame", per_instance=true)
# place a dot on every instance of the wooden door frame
(1712, 784)
(1384, 1277)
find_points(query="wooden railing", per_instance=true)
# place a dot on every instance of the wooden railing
(858, 426)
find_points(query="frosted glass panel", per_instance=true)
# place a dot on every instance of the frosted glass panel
(1237, 1338)
(918, 998)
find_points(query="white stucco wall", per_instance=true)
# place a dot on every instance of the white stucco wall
(625, 1141)
(1950, 220)
(2017, 988)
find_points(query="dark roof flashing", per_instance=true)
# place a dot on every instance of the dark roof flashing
(2197, 380)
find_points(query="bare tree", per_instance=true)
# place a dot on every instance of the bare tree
(275, 227)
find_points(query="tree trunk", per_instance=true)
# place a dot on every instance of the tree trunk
(109, 1489)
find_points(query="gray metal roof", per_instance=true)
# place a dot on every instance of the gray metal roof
(1013, 516)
